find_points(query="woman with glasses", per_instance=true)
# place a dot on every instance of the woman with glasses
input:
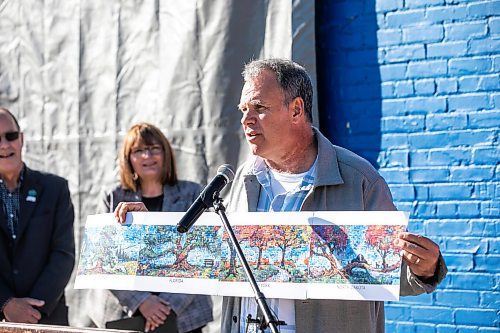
(148, 174)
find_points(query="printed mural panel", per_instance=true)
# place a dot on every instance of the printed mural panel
(345, 255)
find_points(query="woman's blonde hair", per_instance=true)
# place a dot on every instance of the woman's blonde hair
(147, 134)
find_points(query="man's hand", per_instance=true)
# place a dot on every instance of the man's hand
(22, 310)
(420, 253)
(155, 310)
(124, 207)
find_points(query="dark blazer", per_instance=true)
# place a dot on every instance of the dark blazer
(39, 262)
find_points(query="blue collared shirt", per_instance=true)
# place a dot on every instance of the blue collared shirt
(282, 202)
(11, 204)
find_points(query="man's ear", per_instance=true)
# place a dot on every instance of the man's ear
(297, 106)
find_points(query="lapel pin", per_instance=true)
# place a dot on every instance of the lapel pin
(31, 196)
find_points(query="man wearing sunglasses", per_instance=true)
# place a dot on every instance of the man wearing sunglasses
(37, 248)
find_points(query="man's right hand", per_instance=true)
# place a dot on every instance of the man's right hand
(23, 310)
(124, 207)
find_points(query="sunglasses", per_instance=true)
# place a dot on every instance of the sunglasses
(10, 136)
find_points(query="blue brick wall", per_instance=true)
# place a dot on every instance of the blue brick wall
(414, 86)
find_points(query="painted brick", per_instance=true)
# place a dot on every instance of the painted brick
(422, 3)
(397, 312)
(403, 124)
(475, 317)
(387, 37)
(426, 104)
(490, 300)
(479, 83)
(464, 281)
(405, 327)
(486, 190)
(440, 228)
(445, 14)
(447, 50)
(465, 31)
(393, 141)
(469, 209)
(495, 100)
(446, 86)
(415, 226)
(484, 228)
(403, 192)
(388, 5)
(484, 119)
(432, 314)
(429, 175)
(469, 101)
(423, 34)
(487, 263)
(450, 191)
(457, 156)
(387, 89)
(425, 87)
(483, 46)
(464, 66)
(407, 207)
(393, 72)
(461, 298)
(446, 121)
(486, 155)
(446, 210)
(494, 246)
(483, 9)
(455, 329)
(392, 107)
(404, 53)
(431, 68)
(393, 158)
(494, 25)
(451, 139)
(490, 209)
(422, 299)
(472, 173)
(488, 329)
(425, 328)
(395, 176)
(459, 262)
(460, 244)
(496, 63)
(424, 209)
(403, 88)
(404, 18)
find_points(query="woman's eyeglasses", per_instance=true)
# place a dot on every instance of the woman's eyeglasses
(10, 136)
(151, 150)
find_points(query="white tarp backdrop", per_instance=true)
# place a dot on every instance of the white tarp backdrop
(78, 74)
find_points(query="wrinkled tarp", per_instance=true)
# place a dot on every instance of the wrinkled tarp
(78, 74)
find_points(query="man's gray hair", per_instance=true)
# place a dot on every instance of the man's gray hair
(292, 78)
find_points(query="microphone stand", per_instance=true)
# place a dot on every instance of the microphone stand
(269, 320)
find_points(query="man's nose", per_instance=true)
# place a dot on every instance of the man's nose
(247, 118)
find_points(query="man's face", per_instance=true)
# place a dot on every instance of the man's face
(10, 151)
(265, 118)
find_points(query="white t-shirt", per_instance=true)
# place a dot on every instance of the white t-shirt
(283, 309)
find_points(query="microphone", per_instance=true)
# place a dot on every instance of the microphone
(225, 175)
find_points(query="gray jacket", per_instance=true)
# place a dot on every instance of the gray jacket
(193, 311)
(344, 181)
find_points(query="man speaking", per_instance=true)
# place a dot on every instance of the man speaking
(295, 168)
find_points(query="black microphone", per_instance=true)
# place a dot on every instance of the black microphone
(225, 175)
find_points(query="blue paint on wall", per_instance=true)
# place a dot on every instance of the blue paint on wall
(414, 87)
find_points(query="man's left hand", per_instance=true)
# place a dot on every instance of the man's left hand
(419, 252)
